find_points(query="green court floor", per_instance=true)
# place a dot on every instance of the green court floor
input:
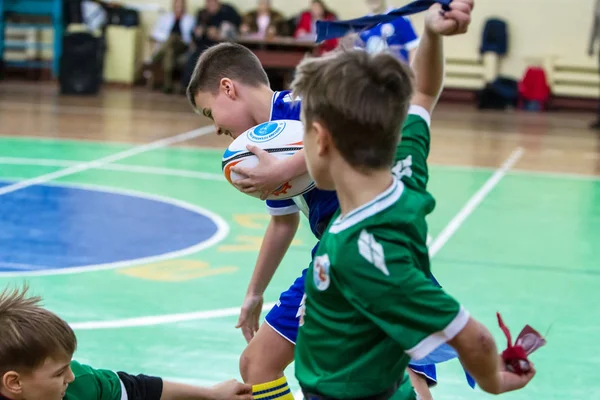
(530, 250)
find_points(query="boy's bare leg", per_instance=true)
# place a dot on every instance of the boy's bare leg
(420, 385)
(268, 354)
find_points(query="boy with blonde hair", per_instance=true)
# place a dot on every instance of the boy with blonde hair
(36, 350)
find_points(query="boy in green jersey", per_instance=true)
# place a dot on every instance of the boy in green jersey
(36, 349)
(370, 305)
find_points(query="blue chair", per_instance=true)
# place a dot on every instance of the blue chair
(52, 8)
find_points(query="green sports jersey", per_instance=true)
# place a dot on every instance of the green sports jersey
(370, 305)
(411, 154)
(94, 384)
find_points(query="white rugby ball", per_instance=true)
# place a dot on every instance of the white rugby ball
(282, 138)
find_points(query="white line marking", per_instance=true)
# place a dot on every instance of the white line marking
(49, 139)
(474, 202)
(161, 319)
(106, 160)
(91, 110)
(209, 176)
(142, 169)
(436, 245)
(299, 395)
(220, 234)
(42, 162)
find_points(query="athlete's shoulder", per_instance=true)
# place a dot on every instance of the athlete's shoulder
(381, 212)
(285, 106)
(394, 215)
(285, 96)
(91, 383)
(81, 369)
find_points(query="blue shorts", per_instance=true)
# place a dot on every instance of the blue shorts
(285, 315)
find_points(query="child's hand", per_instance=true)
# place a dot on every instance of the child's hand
(449, 23)
(250, 315)
(231, 390)
(511, 381)
(263, 178)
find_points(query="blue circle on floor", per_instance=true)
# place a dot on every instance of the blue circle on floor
(49, 227)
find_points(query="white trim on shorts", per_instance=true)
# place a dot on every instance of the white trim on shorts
(280, 334)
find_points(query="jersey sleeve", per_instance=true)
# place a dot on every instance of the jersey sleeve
(379, 278)
(95, 384)
(282, 207)
(413, 150)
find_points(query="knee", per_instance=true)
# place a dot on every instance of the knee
(247, 364)
(256, 367)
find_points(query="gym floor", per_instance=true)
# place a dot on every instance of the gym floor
(114, 209)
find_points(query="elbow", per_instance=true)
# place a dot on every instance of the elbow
(491, 387)
(478, 353)
(490, 380)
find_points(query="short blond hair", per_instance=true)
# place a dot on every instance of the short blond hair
(362, 99)
(29, 334)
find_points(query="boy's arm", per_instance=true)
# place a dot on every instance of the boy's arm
(428, 64)
(278, 237)
(104, 384)
(144, 387)
(230, 390)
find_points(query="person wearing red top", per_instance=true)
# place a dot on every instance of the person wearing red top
(307, 25)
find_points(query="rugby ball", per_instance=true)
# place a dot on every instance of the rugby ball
(282, 138)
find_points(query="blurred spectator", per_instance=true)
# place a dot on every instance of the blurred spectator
(171, 35)
(214, 23)
(264, 21)
(399, 36)
(592, 49)
(307, 26)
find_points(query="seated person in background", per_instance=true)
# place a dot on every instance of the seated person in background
(172, 35)
(307, 26)
(214, 23)
(36, 350)
(263, 22)
(399, 35)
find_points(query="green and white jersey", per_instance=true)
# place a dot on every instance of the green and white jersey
(370, 305)
(411, 154)
(94, 384)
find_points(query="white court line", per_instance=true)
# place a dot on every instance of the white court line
(474, 202)
(91, 110)
(50, 162)
(46, 138)
(436, 245)
(142, 169)
(106, 160)
(161, 319)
